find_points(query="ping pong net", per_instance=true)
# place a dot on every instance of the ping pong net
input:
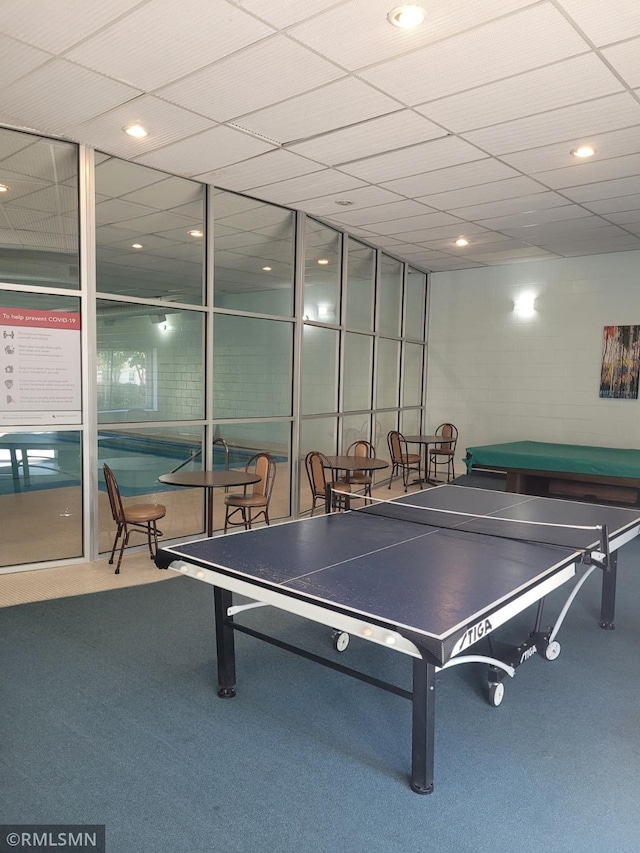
(591, 540)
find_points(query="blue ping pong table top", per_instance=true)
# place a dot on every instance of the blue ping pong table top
(432, 581)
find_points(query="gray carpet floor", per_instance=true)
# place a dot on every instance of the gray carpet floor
(109, 715)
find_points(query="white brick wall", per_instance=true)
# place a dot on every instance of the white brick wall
(501, 377)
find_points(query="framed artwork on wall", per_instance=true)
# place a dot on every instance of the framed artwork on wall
(620, 362)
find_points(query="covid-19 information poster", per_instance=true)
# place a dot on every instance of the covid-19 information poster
(40, 377)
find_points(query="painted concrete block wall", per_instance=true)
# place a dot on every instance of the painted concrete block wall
(501, 377)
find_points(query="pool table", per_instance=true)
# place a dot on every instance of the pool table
(579, 472)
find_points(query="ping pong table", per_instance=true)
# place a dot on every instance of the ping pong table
(431, 575)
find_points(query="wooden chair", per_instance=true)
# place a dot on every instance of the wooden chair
(401, 458)
(442, 454)
(317, 466)
(362, 478)
(251, 505)
(135, 518)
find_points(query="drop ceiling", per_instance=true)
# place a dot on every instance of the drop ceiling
(406, 139)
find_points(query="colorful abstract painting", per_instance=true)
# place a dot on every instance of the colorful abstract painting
(620, 362)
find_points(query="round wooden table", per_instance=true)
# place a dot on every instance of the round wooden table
(349, 464)
(209, 480)
(425, 441)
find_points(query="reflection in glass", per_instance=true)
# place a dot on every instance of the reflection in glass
(40, 496)
(384, 423)
(322, 274)
(252, 361)
(149, 363)
(254, 255)
(390, 297)
(149, 233)
(358, 358)
(410, 423)
(38, 211)
(388, 378)
(360, 286)
(319, 370)
(412, 375)
(415, 304)
(137, 457)
(355, 427)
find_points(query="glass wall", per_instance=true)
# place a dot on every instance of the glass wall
(189, 332)
(41, 455)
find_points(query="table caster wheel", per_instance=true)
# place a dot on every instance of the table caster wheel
(552, 651)
(496, 693)
(340, 640)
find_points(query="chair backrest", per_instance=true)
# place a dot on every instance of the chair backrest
(115, 500)
(450, 432)
(265, 468)
(315, 465)
(397, 445)
(361, 448)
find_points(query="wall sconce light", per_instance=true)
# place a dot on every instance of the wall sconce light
(525, 304)
(158, 319)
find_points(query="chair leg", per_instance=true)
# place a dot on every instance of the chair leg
(115, 543)
(125, 542)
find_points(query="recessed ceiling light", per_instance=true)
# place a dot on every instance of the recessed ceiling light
(136, 130)
(462, 242)
(4, 188)
(344, 203)
(137, 246)
(267, 269)
(583, 151)
(196, 233)
(323, 261)
(406, 16)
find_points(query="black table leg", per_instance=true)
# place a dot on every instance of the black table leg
(608, 602)
(225, 643)
(423, 726)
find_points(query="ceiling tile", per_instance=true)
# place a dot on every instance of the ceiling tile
(437, 71)
(484, 193)
(532, 218)
(60, 94)
(165, 123)
(332, 32)
(606, 22)
(237, 84)
(382, 213)
(206, 151)
(375, 136)
(163, 40)
(308, 187)
(558, 155)
(614, 205)
(365, 196)
(412, 223)
(592, 171)
(345, 102)
(453, 178)
(283, 13)
(561, 84)
(625, 58)
(432, 155)
(277, 165)
(511, 206)
(17, 59)
(610, 113)
(32, 21)
(604, 189)
(627, 218)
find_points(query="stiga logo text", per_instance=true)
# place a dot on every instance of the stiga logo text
(472, 635)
